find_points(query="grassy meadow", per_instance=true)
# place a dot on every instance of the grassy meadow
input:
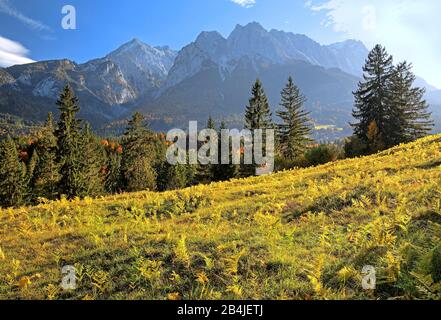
(301, 234)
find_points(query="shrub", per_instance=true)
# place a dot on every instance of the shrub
(322, 154)
(354, 147)
(282, 163)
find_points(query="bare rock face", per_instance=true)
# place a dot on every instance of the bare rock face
(349, 55)
(104, 85)
(261, 46)
(5, 77)
(143, 66)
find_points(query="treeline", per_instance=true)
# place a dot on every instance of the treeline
(66, 159)
(389, 111)
(15, 126)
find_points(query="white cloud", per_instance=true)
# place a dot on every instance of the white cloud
(12, 53)
(245, 3)
(7, 8)
(407, 28)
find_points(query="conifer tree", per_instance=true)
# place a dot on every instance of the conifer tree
(93, 159)
(211, 124)
(205, 171)
(257, 116)
(139, 157)
(293, 132)
(46, 176)
(223, 172)
(174, 177)
(113, 179)
(372, 99)
(258, 113)
(12, 175)
(409, 115)
(389, 108)
(69, 142)
(31, 167)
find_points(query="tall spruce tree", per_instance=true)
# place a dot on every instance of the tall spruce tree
(372, 99)
(113, 180)
(223, 172)
(69, 142)
(12, 175)
(293, 132)
(93, 159)
(46, 176)
(211, 124)
(31, 167)
(205, 171)
(140, 156)
(409, 115)
(258, 113)
(257, 116)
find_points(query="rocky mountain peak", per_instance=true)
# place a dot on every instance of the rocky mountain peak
(137, 73)
(210, 36)
(252, 27)
(212, 43)
(143, 67)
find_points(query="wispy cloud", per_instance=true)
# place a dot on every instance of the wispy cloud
(12, 53)
(245, 3)
(405, 27)
(7, 8)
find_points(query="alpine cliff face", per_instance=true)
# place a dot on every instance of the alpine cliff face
(210, 76)
(261, 46)
(144, 67)
(5, 77)
(213, 75)
(105, 86)
(349, 55)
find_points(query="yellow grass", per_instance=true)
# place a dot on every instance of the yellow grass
(301, 234)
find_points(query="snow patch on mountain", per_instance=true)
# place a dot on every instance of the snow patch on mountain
(261, 46)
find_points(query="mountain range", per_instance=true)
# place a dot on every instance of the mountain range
(210, 76)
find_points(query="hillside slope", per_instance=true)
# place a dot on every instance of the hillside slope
(302, 234)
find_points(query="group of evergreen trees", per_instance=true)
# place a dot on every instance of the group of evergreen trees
(389, 109)
(217, 172)
(292, 132)
(67, 159)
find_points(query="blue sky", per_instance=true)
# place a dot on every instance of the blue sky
(31, 29)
